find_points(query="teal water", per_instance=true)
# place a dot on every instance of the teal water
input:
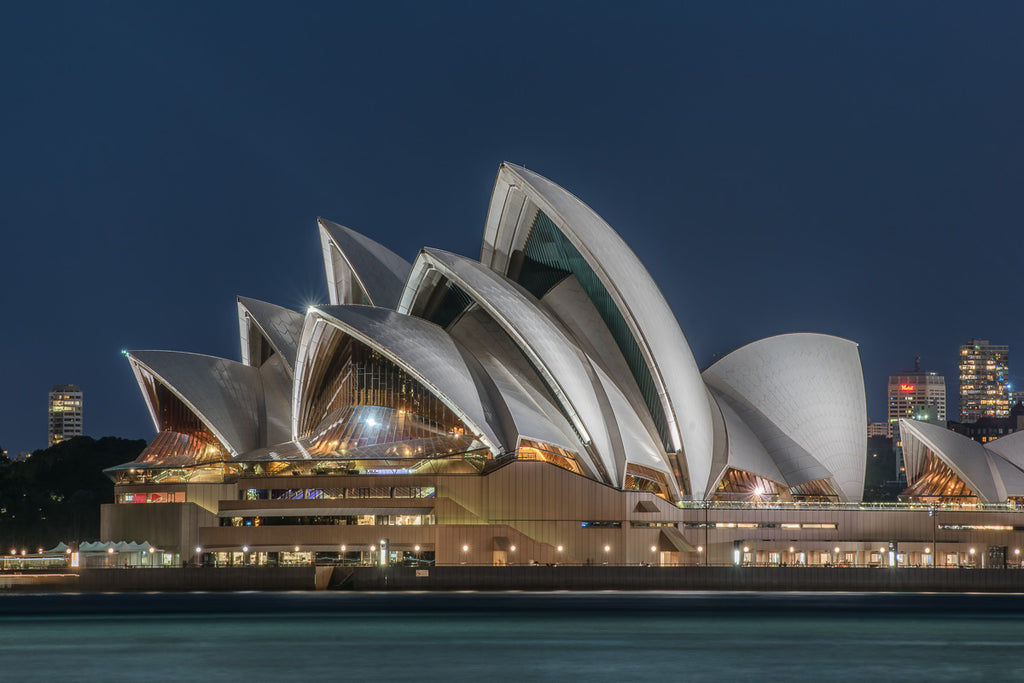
(511, 636)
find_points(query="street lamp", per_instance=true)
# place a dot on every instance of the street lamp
(559, 548)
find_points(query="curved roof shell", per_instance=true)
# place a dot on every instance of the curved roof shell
(742, 449)
(280, 326)
(553, 354)
(427, 353)
(966, 457)
(993, 471)
(802, 395)
(517, 198)
(225, 395)
(534, 412)
(359, 270)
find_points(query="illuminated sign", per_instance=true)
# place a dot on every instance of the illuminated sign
(906, 387)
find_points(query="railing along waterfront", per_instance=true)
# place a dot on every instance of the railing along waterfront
(839, 506)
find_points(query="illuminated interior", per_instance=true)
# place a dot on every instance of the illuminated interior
(560, 457)
(640, 478)
(738, 484)
(936, 482)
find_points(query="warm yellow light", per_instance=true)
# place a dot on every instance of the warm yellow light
(746, 549)
(344, 548)
(791, 548)
(416, 548)
(836, 549)
(245, 548)
(465, 548)
(607, 548)
(654, 548)
(559, 548)
(700, 549)
(927, 550)
(110, 551)
(296, 548)
(512, 548)
(373, 547)
(971, 551)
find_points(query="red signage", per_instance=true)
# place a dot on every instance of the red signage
(906, 387)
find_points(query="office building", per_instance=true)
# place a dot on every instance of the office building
(911, 391)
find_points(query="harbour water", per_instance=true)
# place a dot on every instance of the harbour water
(565, 636)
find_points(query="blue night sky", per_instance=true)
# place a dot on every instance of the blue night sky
(847, 168)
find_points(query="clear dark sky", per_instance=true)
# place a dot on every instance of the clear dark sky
(849, 168)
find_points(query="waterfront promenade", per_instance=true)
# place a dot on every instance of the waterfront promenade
(532, 578)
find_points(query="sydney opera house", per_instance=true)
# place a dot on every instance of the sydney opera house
(538, 404)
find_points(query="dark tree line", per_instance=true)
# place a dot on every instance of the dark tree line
(55, 495)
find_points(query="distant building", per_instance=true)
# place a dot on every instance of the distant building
(984, 377)
(878, 429)
(913, 395)
(65, 413)
(988, 429)
(911, 391)
(1016, 396)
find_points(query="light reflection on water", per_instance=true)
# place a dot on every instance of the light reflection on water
(511, 636)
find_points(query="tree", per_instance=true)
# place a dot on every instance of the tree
(56, 494)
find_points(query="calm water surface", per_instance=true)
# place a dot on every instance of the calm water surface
(565, 636)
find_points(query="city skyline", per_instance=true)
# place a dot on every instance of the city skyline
(804, 168)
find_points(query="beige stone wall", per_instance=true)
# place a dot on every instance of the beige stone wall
(537, 507)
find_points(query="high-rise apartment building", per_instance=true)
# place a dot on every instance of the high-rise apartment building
(984, 377)
(65, 413)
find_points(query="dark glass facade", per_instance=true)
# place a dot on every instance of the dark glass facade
(549, 258)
